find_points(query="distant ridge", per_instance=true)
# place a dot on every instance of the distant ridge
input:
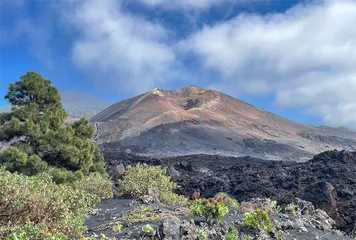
(77, 104)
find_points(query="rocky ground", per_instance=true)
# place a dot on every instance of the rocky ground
(169, 223)
(328, 180)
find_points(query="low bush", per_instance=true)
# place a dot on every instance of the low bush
(228, 200)
(117, 228)
(258, 219)
(291, 209)
(271, 206)
(141, 214)
(265, 204)
(209, 208)
(148, 229)
(137, 180)
(173, 199)
(231, 234)
(202, 235)
(37, 208)
(95, 184)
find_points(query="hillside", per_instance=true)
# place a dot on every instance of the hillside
(193, 120)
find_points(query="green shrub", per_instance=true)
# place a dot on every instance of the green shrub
(148, 229)
(246, 237)
(228, 200)
(270, 206)
(95, 184)
(137, 180)
(202, 235)
(209, 208)
(258, 219)
(37, 208)
(292, 209)
(231, 234)
(173, 199)
(141, 214)
(117, 228)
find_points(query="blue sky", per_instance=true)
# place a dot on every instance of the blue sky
(294, 58)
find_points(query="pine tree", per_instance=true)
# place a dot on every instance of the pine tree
(40, 140)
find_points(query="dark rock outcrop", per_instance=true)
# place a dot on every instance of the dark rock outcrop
(192, 103)
(323, 195)
(328, 180)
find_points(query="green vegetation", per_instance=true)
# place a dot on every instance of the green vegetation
(148, 229)
(271, 206)
(40, 140)
(141, 214)
(37, 208)
(291, 209)
(228, 200)
(231, 234)
(258, 219)
(95, 184)
(209, 208)
(137, 180)
(202, 235)
(246, 237)
(50, 173)
(117, 228)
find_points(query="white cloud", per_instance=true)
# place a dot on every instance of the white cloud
(305, 56)
(130, 48)
(186, 4)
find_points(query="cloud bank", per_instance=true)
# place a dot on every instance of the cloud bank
(304, 57)
(122, 45)
(185, 4)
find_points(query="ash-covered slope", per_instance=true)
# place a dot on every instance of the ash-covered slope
(193, 120)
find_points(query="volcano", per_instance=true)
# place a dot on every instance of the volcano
(194, 120)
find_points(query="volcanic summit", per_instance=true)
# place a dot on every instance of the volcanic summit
(194, 120)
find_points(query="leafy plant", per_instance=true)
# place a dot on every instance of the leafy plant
(292, 209)
(202, 235)
(231, 234)
(17, 236)
(95, 184)
(148, 229)
(271, 206)
(117, 228)
(258, 219)
(209, 208)
(37, 208)
(141, 214)
(246, 237)
(103, 236)
(228, 200)
(137, 180)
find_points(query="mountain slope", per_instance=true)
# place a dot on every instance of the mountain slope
(193, 120)
(77, 104)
